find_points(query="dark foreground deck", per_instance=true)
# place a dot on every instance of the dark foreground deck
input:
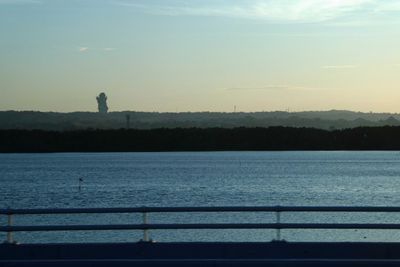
(201, 254)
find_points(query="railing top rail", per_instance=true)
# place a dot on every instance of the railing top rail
(173, 226)
(201, 209)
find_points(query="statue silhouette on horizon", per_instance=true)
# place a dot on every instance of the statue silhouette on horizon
(102, 103)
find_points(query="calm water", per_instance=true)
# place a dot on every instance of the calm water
(206, 179)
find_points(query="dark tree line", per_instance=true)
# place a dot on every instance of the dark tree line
(200, 139)
(328, 120)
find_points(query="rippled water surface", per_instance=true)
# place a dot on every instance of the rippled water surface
(202, 179)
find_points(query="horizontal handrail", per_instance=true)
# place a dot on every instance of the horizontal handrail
(41, 228)
(145, 226)
(199, 209)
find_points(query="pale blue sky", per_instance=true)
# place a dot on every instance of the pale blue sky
(199, 55)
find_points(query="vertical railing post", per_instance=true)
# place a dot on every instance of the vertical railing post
(9, 233)
(278, 221)
(145, 231)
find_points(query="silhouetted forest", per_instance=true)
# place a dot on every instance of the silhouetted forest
(199, 139)
(328, 120)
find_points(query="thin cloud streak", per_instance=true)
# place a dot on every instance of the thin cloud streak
(347, 12)
(272, 88)
(339, 67)
(83, 49)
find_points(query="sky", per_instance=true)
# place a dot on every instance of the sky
(200, 55)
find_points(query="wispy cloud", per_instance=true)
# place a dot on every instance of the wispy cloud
(349, 12)
(339, 67)
(390, 6)
(272, 88)
(83, 49)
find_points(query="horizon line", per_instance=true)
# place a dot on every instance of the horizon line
(205, 111)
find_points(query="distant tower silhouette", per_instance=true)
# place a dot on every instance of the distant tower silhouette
(128, 121)
(102, 103)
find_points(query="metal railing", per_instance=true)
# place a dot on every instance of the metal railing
(145, 226)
